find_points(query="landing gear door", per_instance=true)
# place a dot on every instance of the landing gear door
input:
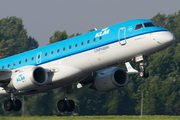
(122, 35)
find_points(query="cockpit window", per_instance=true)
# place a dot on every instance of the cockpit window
(138, 26)
(156, 24)
(150, 24)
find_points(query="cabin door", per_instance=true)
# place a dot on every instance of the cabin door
(38, 58)
(122, 35)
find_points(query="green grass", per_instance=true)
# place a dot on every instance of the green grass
(145, 117)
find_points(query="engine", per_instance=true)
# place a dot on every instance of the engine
(26, 78)
(110, 79)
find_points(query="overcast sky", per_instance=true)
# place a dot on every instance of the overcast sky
(42, 18)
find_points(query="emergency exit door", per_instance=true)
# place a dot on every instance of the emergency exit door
(122, 35)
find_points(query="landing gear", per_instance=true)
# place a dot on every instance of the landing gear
(142, 59)
(143, 73)
(17, 105)
(62, 105)
(66, 105)
(70, 105)
(12, 104)
(8, 105)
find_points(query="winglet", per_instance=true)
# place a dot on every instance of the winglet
(130, 69)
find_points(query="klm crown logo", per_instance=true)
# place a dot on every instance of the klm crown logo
(20, 78)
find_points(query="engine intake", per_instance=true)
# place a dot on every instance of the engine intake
(29, 77)
(110, 79)
(38, 76)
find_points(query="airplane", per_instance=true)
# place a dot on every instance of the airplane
(88, 59)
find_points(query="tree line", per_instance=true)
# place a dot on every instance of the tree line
(161, 89)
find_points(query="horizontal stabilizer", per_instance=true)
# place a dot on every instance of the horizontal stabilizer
(130, 69)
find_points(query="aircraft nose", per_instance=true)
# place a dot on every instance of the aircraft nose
(165, 38)
(169, 38)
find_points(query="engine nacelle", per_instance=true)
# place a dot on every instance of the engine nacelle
(110, 79)
(26, 78)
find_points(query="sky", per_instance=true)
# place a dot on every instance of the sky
(42, 18)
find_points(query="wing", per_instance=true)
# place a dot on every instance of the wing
(90, 79)
(5, 77)
(4, 71)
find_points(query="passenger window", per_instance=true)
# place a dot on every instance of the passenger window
(51, 53)
(88, 42)
(26, 60)
(64, 49)
(100, 37)
(138, 26)
(70, 47)
(2, 67)
(14, 64)
(45, 54)
(75, 45)
(19, 62)
(150, 24)
(94, 39)
(8, 65)
(57, 50)
(81, 43)
(32, 58)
